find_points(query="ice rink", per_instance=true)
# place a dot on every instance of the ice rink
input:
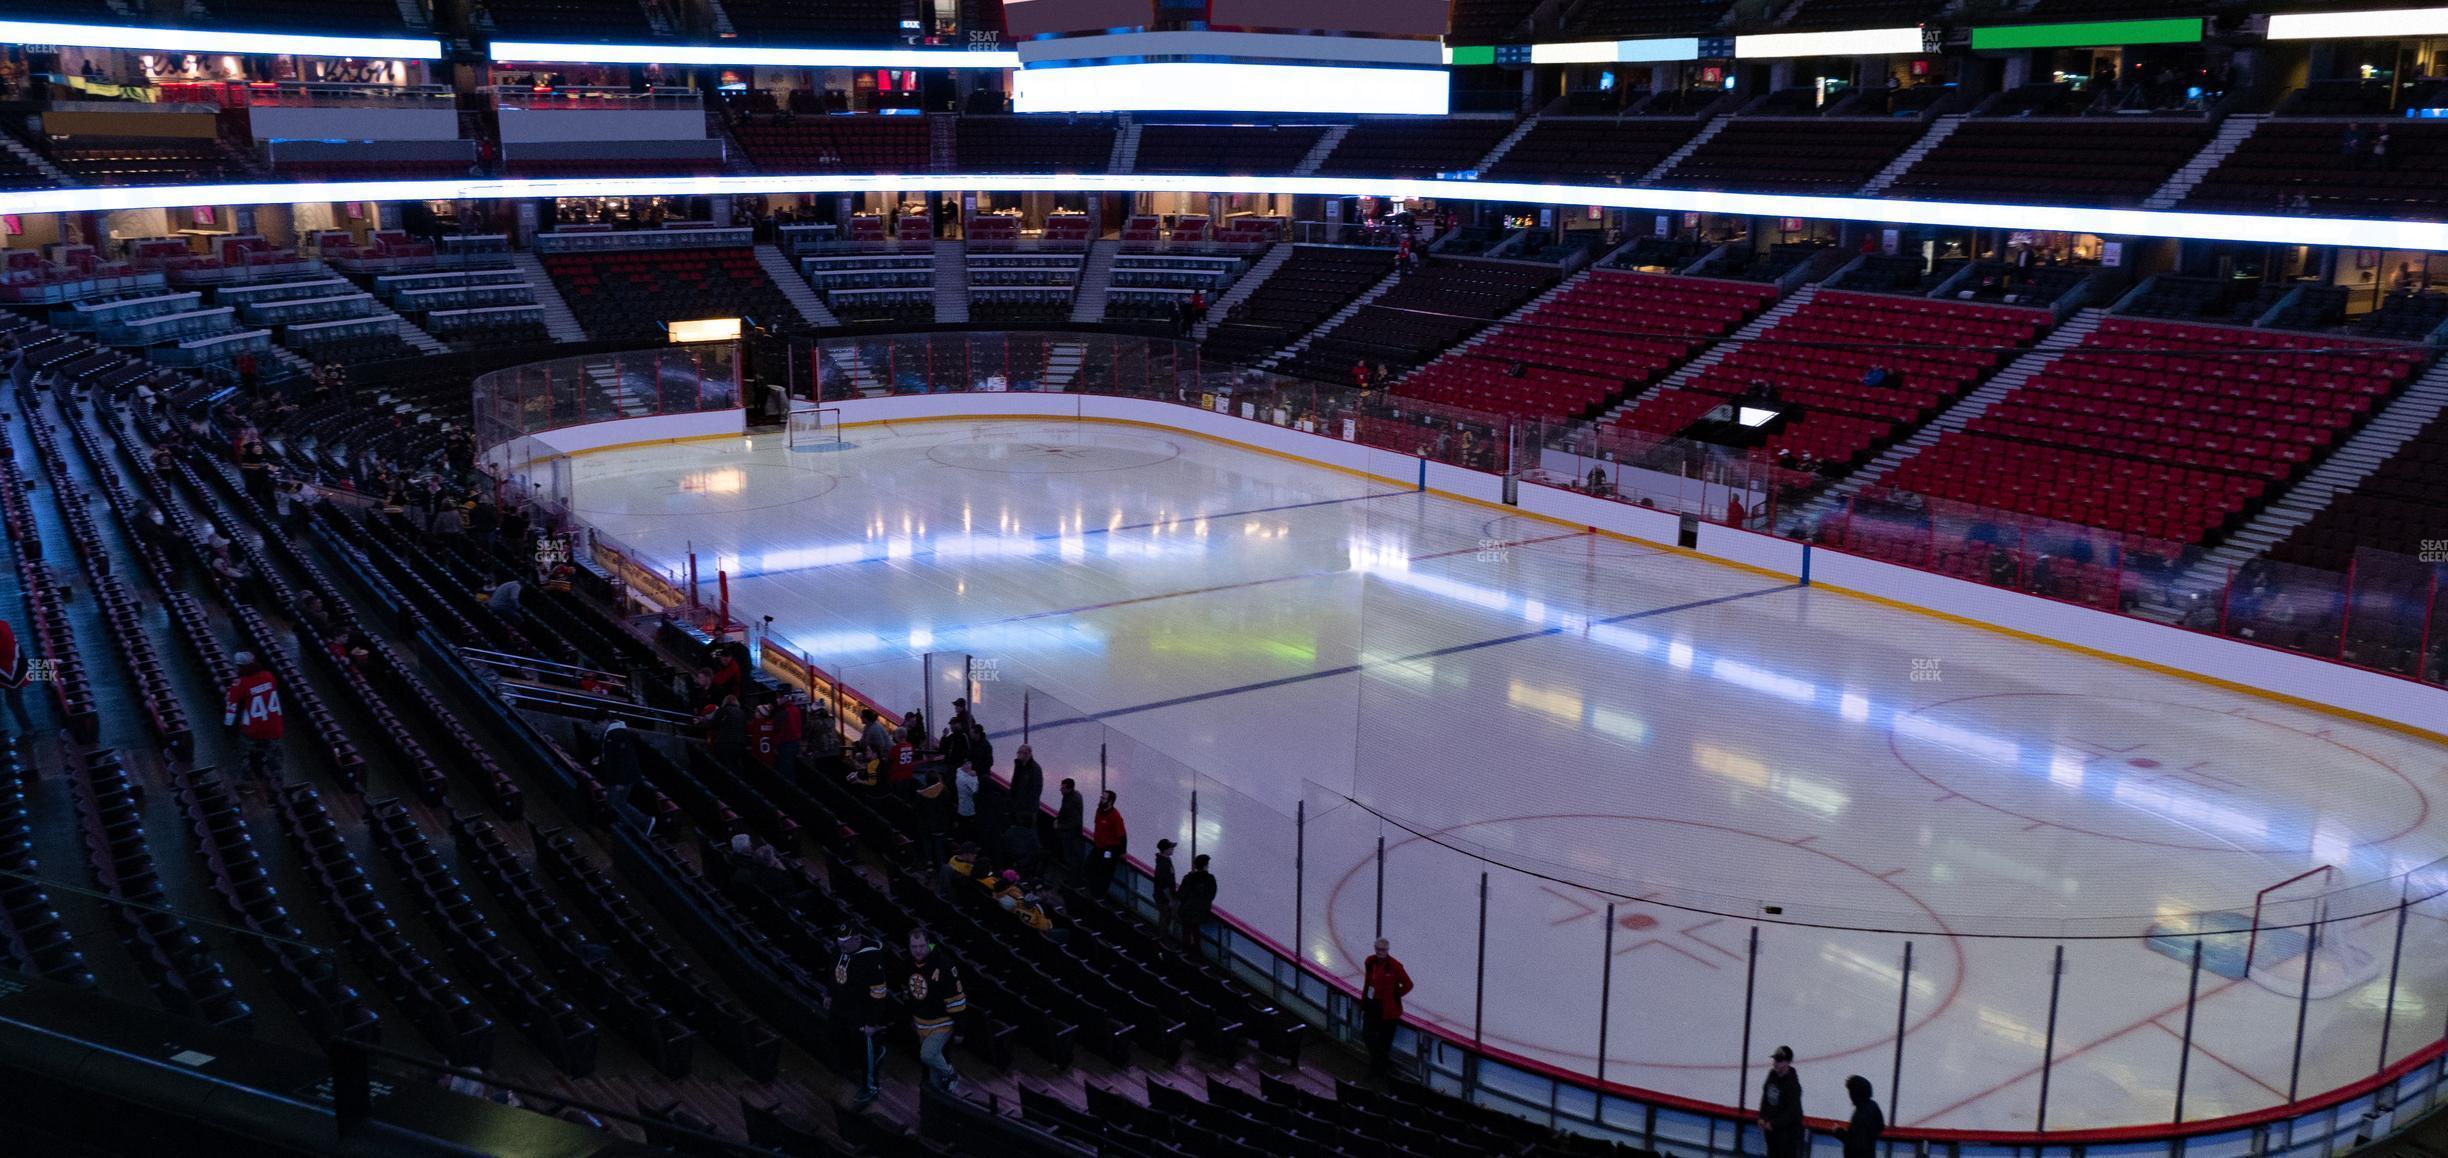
(1589, 721)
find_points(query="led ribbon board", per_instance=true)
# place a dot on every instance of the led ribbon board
(1614, 51)
(535, 52)
(144, 39)
(1860, 42)
(2396, 24)
(2346, 232)
(2095, 34)
(1207, 86)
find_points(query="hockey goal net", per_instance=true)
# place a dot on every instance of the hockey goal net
(2303, 942)
(813, 426)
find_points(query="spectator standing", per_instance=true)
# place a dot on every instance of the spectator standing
(1780, 1106)
(1027, 796)
(16, 671)
(1861, 1135)
(1198, 894)
(252, 706)
(617, 762)
(964, 801)
(1070, 841)
(1383, 985)
(728, 728)
(859, 997)
(875, 736)
(1109, 840)
(790, 729)
(935, 998)
(1167, 888)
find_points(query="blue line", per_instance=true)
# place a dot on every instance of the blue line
(1806, 564)
(1437, 653)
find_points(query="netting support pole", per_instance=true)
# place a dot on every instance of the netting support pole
(1479, 986)
(1300, 872)
(1100, 768)
(2303, 1001)
(1380, 884)
(1895, 1069)
(1194, 826)
(1606, 992)
(2388, 1011)
(2346, 609)
(2048, 1046)
(1742, 1084)
(2184, 1061)
(1025, 696)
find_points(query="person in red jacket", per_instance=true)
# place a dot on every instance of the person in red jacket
(1106, 844)
(253, 707)
(790, 727)
(16, 670)
(1383, 982)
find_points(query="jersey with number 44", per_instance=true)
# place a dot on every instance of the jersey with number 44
(253, 705)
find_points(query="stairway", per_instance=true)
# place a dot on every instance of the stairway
(1372, 293)
(36, 161)
(2345, 469)
(414, 334)
(2231, 133)
(2066, 336)
(1506, 145)
(1125, 147)
(943, 146)
(723, 28)
(558, 320)
(413, 15)
(1318, 153)
(1241, 290)
(951, 281)
(1944, 128)
(1063, 362)
(795, 288)
(657, 20)
(297, 363)
(1088, 298)
(1718, 350)
(1658, 172)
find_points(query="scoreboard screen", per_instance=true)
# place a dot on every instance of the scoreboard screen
(1023, 19)
(1365, 17)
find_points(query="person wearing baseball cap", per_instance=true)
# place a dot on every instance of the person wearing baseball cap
(1780, 1106)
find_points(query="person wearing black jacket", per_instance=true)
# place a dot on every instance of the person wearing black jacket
(859, 1004)
(1861, 1135)
(1197, 901)
(1780, 1106)
(1070, 842)
(1027, 796)
(728, 728)
(617, 765)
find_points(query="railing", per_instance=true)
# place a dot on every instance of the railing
(543, 98)
(2299, 1048)
(606, 241)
